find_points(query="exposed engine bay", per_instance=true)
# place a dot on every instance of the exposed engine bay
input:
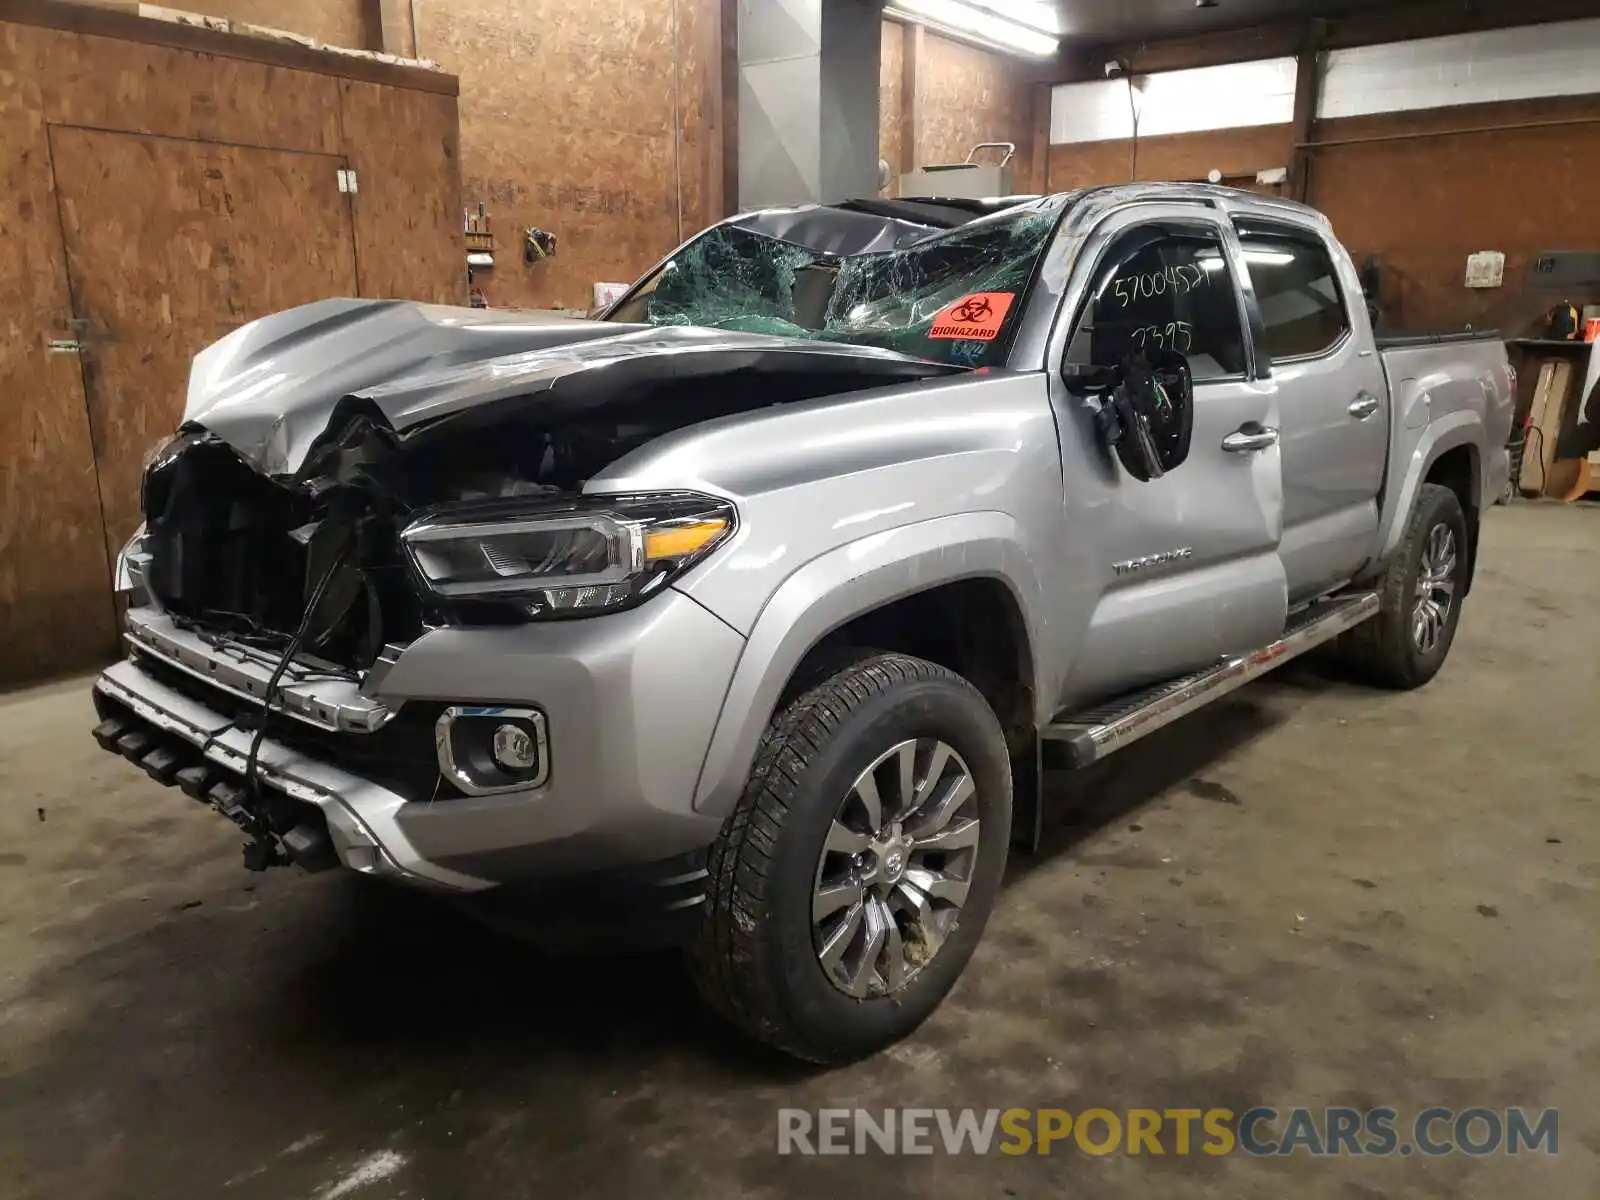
(312, 559)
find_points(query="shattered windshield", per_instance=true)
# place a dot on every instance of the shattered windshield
(955, 296)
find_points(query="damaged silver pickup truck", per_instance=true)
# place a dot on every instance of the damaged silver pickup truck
(747, 617)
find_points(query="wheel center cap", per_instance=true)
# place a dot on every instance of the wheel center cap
(891, 854)
(894, 863)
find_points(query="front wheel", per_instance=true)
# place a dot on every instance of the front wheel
(850, 885)
(1421, 593)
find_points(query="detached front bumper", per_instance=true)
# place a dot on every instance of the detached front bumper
(629, 703)
(180, 741)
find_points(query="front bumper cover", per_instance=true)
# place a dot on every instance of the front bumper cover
(360, 814)
(631, 699)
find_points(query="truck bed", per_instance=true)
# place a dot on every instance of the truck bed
(1450, 383)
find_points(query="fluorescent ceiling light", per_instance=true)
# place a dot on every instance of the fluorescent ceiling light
(979, 23)
(1035, 14)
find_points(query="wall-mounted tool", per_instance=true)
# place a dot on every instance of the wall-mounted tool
(537, 245)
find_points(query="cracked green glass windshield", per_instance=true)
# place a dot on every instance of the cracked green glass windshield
(955, 296)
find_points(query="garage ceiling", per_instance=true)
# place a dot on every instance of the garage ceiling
(1142, 20)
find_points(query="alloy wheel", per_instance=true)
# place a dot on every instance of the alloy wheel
(1436, 588)
(895, 868)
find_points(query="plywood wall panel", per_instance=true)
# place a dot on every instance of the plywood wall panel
(55, 599)
(1089, 164)
(408, 239)
(1237, 153)
(571, 123)
(612, 207)
(110, 84)
(171, 244)
(971, 96)
(167, 259)
(1421, 206)
(335, 22)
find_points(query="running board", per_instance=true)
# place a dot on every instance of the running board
(1090, 735)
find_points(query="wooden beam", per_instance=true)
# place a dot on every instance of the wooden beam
(1399, 23)
(708, 24)
(911, 96)
(1072, 64)
(725, 110)
(719, 102)
(1307, 92)
(1364, 27)
(1039, 175)
(1204, 50)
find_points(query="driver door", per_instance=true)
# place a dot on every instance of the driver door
(1184, 569)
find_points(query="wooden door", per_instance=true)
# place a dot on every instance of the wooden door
(171, 243)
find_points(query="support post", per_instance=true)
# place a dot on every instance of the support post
(910, 96)
(1307, 93)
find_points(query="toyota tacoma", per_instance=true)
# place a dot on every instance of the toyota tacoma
(746, 617)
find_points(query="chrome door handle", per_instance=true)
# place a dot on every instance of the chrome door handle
(1363, 406)
(1250, 438)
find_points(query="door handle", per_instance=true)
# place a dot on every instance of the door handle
(1250, 438)
(1363, 406)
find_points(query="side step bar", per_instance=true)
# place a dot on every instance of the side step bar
(1090, 735)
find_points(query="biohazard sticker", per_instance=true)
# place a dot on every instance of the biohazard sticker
(977, 317)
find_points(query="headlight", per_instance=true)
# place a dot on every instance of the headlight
(592, 555)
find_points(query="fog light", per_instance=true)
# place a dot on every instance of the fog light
(514, 749)
(483, 750)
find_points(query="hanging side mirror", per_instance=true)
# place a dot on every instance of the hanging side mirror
(1147, 419)
(1084, 379)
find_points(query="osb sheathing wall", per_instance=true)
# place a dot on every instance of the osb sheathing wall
(1422, 205)
(965, 96)
(585, 121)
(1238, 153)
(333, 22)
(971, 96)
(81, 91)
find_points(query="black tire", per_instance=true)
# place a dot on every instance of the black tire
(754, 959)
(1382, 650)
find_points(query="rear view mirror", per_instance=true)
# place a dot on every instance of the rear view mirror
(1147, 419)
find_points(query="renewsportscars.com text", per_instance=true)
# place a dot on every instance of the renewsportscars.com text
(1260, 1132)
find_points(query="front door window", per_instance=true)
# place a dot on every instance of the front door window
(1163, 287)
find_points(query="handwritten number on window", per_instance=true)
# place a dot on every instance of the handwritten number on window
(1175, 335)
(1178, 280)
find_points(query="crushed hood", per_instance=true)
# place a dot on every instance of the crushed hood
(270, 388)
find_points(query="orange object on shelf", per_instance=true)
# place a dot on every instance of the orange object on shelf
(1591, 330)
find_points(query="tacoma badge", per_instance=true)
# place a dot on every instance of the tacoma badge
(1130, 565)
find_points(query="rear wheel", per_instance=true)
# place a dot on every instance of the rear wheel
(851, 883)
(1421, 592)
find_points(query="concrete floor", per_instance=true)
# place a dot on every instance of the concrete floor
(1312, 894)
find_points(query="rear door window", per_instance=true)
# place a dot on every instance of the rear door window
(1303, 311)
